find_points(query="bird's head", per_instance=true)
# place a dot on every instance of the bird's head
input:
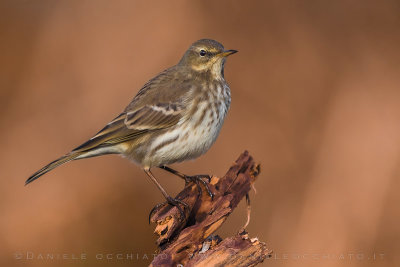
(206, 55)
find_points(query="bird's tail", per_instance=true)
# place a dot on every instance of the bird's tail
(52, 165)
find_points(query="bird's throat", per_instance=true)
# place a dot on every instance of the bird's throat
(215, 69)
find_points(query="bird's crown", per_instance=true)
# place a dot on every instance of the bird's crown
(205, 54)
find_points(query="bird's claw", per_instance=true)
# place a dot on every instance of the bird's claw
(173, 202)
(197, 179)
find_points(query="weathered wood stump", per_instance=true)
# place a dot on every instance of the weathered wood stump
(190, 242)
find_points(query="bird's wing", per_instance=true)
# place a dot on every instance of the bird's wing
(132, 124)
(158, 105)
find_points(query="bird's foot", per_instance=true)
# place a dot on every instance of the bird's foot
(173, 202)
(197, 179)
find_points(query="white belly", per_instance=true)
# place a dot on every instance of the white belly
(189, 139)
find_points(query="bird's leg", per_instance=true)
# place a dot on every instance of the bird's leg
(195, 178)
(172, 201)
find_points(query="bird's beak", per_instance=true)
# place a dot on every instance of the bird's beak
(227, 53)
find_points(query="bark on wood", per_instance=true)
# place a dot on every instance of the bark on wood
(191, 242)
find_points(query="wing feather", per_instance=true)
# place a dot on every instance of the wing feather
(152, 117)
(130, 125)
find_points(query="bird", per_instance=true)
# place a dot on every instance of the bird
(176, 116)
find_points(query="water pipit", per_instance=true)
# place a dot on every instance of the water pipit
(175, 116)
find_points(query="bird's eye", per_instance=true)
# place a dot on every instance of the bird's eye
(202, 53)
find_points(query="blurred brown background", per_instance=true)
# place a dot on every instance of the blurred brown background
(315, 99)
